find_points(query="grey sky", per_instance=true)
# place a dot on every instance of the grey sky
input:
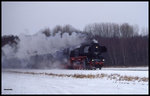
(31, 17)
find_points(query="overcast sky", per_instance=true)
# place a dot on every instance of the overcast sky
(31, 17)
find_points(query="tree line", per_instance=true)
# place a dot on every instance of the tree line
(126, 47)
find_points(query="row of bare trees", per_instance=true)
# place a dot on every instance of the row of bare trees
(112, 29)
(126, 47)
(60, 29)
(131, 51)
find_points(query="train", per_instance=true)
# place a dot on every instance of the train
(87, 56)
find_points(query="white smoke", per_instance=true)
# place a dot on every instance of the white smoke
(40, 44)
(95, 41)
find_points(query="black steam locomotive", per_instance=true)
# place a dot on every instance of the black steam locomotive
(87, 56)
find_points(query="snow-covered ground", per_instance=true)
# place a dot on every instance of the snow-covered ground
(25, 81)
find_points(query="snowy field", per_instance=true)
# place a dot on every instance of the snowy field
(105, 81)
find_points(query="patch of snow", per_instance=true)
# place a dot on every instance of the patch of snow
(44, 84)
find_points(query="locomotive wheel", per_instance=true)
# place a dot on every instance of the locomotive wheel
(85, 64)
(69, 67)
(94, 68)
(88, 67)
(100, 68)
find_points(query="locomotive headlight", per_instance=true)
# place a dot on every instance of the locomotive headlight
(92, 59)
(96, 46)
(103, 59)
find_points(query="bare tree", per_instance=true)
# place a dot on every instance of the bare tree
(126, 30)
(136, 30)
(69, 29)
(144, 31)
(57, 29)
(47, 32)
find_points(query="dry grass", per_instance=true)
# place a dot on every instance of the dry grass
(116, 77)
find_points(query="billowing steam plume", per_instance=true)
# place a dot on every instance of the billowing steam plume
(41, 51)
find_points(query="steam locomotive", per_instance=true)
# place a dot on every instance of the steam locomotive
(87, 56)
